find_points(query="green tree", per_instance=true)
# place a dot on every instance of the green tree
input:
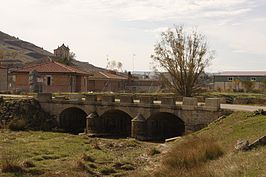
(69, 60)
(184, 57)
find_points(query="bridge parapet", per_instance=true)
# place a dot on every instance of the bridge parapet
(168, 101)
(126, 99)
(146, 100)
(212, 104)
(107, 99)
(44, 97)
(189, 103)
(90, 99)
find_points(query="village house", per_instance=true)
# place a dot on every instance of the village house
(3, 78)
(102, 81)
(239, 80)
(51, 77)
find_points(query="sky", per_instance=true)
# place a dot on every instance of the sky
(127, 30)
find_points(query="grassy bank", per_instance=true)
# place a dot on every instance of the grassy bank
(210, 152)
(59, 154)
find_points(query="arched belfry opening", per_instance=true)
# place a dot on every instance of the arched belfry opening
(164, 125)
(73, 120)
(116, 123)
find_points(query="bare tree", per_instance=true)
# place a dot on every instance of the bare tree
(184, 57)
(114, 65)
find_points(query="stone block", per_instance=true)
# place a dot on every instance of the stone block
(146, 99)
(75, 97)
(90, 98)
(60, 98)
(168, 101)
(212, 104)
(126, 99)
(190, 101)
(108, 99)
(44, 97)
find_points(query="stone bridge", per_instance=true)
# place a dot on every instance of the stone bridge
(121, 115)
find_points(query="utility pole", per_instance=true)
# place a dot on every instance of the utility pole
(133, 57)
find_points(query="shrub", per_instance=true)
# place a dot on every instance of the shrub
(17, 124)
(188, 158)
(193, 152)
(10, 163)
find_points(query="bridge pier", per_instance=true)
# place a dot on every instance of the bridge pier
(92, 120)
(138, 127)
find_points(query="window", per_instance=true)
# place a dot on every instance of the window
(49, 80)
(253, 79)
(230, 78)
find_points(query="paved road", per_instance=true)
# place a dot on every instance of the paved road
(15, 96)
(237, 107)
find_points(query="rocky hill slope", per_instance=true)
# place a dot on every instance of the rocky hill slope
(13, 49)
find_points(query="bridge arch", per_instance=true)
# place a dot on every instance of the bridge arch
(73, 120)
(163, 125)
(116, 122)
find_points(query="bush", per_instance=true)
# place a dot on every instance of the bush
(193, 152)
(17, 124)
(188, 158)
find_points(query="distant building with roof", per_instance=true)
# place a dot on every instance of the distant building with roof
(62, 52)
(235, 80)
(107, 81)
(52, 77)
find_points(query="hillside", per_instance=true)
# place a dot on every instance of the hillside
(15, 48)
(210, 152)
(12, 48)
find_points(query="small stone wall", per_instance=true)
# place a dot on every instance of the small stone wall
(27, 109)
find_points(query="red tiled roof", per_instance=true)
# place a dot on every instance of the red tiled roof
(51, 67)
(242, 73)
(105, 75)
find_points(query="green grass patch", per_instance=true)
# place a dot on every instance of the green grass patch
(49, 153)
